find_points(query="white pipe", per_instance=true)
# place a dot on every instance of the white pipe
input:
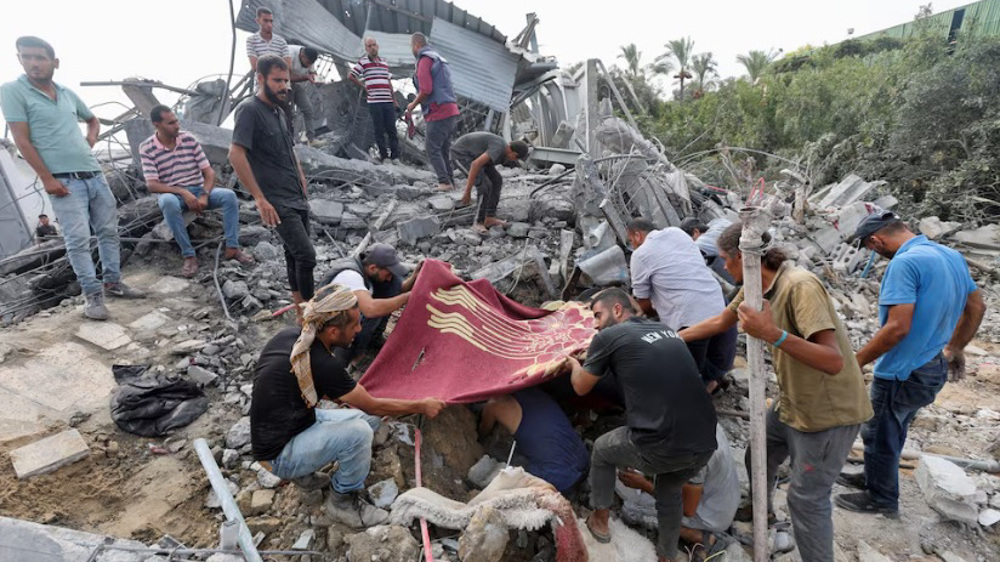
(229, 506)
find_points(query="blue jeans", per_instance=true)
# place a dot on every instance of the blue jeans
(90, 205)
(343, 435)
(438, 146)
(896, 403)
(173, 207)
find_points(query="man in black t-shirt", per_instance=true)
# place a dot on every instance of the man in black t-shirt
(293, 439)
(480, 153)
(263, 158)
(670, 419)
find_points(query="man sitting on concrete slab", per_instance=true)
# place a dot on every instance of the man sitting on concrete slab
(480, 153)
(380, 283)
(544, 436)
(710, 499)
(670, 419)
(670, 278)
(291, 437)
(174, 166)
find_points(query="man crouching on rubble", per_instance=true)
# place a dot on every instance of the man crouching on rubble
(291, 437)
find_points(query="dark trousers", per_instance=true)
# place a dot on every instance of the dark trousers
(488, 184)
(817, 458)
(371, 328)
(615, 450)
(438, 146)
(714, 356)
(384, 121)
(896, 403)
(300, 256)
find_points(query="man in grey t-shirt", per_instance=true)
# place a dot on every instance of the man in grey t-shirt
(479, 153)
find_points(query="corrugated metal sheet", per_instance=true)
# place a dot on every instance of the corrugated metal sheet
(304, 22)
(982, 19)
(481, 69)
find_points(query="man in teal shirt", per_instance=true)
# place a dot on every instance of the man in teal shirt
(44, 119)
(929, 308)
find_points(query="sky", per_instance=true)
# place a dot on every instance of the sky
(180, 41)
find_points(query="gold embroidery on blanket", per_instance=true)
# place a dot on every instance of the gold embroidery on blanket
(544, 341)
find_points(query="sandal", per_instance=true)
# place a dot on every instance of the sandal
(703, 550)
(241, 256)
(480, 228)
(189, 269)
(603, 538)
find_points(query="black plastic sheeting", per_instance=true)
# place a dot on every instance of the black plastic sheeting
(154, 406)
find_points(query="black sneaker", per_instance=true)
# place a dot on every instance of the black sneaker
(862, 502)
(852, 480)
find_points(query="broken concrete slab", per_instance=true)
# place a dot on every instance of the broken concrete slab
(149, 322)
(106, 335)
(987, 237)
(318, 163)
(441, 203)
(49, 454)
(239, 434)
(201, 375)
(58, 544)
(850, 190)
(989, 517)
(868, 554)
(948, 489)
(168, 285)
(935, 228)
(188, 346)
(485, 538)
(304, 540)
(215, 141)
(327, 211)
(417, 228)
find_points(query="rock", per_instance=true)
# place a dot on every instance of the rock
(105, 335)
(350, 220)
(267, 479)
(484, 471)
(416, 228)
(554, 205)
(266, 525)
(989, 517)
(383, 493)
(518, 229)
(200, 375)
(783, 542)
(556, 169)
(251, 234)
(235, 290)
(735, 553)
(466, 237)
(382, 543)
(868, 554)
(230, 458)
(49, 454)
(934, 228)
(327, 211)
(239, 434)
(188, 347)
(260, 502)
(947, 488)
(304, 540)
(949, 556)
(213, 501)
(441, 203)
(983, 237)
(266, 251)
(485, 538)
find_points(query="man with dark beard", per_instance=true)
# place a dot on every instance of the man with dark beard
(264, 162)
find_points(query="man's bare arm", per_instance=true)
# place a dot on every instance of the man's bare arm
(896, 327)
(93, 130)
(377, 308)
(253, 64)
(360, 399)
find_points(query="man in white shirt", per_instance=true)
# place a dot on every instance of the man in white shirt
(670, 279)
(379, 281)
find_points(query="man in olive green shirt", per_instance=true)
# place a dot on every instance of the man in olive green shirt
(822, 400)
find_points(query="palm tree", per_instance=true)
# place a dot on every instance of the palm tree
(703, 66)
(680, 50)
(633, 57)
(756, 62)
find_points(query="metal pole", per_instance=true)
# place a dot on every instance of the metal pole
(232, 65)
(229, 507)
(755, 222)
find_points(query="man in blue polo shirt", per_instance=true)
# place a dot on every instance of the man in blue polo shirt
(930, 308)
(44, 119)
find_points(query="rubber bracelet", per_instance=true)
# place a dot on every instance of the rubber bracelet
(781, 340)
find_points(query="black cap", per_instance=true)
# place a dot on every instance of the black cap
(874, 222)
(384, 255)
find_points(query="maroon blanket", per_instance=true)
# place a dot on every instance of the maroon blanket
(465, 342)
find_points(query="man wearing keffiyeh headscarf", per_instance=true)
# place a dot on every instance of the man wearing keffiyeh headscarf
(291, 437)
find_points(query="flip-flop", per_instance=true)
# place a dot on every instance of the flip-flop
(242, 257)
(603, 538)
(703, 551)
(189, 269)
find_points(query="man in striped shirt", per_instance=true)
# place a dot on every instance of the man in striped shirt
(372, 74)
(265, 41)
(174, 165)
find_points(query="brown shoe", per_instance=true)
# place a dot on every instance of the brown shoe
(190, 267)
(239, 255)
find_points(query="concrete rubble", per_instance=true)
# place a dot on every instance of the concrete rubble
(948, 489)
(49, 454)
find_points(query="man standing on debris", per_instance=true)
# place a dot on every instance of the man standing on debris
(303, 77)
(381, 286)
(44, 119)
(265, 41)
(821, 402)
(545, 437)
(670, 419)
(480, 153)
(372, 73)
(291, 437)
(437, 99)
(670, 279)
(930, 308)
(45, 229)
(174, 165)
(263, 158)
